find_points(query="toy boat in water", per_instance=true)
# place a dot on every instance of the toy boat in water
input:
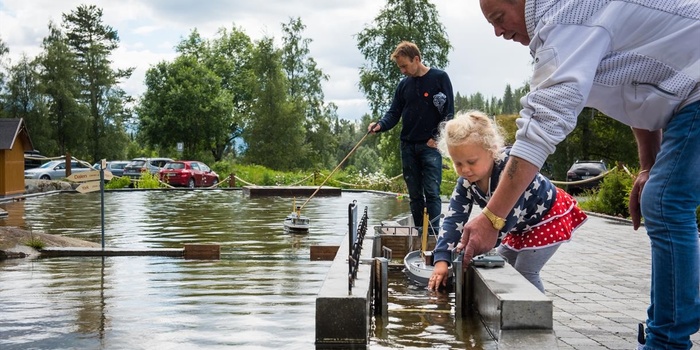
(418, 264)
(418, 267)
(296, 223)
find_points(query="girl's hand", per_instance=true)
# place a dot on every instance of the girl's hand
(439, 276)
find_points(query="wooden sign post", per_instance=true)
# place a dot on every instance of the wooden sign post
(88, 184)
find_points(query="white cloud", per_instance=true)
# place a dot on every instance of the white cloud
(149, 30)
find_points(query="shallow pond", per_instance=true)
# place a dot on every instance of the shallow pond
(260, 295)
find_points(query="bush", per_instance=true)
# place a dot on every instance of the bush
(148, 180)
(118, 182)
(612, 196)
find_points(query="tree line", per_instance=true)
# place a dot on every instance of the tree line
(233, 99)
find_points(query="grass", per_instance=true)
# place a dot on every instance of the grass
(35, 243)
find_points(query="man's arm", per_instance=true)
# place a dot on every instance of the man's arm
(648, 146)
(479, 235)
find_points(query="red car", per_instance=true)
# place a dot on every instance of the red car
(188, 173)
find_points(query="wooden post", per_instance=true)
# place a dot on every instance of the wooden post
(232, 180)
(202, 251)
(68, 163)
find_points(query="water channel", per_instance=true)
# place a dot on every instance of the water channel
(260, 295)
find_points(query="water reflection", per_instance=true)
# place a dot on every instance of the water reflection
(261, 295)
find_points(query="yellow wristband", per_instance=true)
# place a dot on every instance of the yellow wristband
(643, 171)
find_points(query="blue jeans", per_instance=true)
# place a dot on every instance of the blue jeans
(422, 171)
(668, 204)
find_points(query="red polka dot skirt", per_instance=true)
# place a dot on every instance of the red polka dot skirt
(556, 227)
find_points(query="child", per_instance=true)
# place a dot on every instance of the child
(543, 217)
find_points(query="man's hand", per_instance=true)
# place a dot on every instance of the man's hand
(635, 199)
(439, 276)
(478, 237)
(374, 127)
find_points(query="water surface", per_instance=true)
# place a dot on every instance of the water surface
(260, 295)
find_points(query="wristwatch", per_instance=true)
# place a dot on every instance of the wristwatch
(496, 221)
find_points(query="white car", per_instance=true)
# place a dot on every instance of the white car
(55, 169)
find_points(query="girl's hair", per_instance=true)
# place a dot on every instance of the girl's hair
(470, 127)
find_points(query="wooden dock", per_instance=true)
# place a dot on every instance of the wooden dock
(291, 191)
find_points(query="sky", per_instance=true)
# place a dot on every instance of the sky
(150, 29)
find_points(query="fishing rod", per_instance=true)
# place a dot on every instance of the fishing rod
(337, 167)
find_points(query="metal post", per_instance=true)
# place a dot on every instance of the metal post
(381, 288)
(102, 200)
(458, 272)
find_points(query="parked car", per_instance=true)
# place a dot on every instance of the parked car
(188, 173)
(137, 166)
(55, 169)
(116, 167)
(33, 159)
(584, 170)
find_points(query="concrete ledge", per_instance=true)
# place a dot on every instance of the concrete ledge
(507, 301)
(68, 251)
(344, 318)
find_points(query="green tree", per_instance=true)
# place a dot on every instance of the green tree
(509, 102)
(93, 42)
(4, 50)
(596, 137)
(412, 20)
(59, 85)
(229, 56)
(304, 80)
(184, 102)
(274, 133)
(23, 100)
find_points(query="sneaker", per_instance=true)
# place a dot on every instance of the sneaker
(640, 337)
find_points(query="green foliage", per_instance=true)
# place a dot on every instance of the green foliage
(148, 180)
(276, 116)
(449, 178)
(35, 243)
(118, 182)
(165, 120)
(596, 136)
(93, 42)
(612, 197)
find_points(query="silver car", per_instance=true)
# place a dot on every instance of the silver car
(137, 166)
(55, 169)
(116, 167)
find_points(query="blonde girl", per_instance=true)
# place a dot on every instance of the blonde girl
(543, 217)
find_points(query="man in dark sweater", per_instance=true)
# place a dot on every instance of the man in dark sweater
(423, 99)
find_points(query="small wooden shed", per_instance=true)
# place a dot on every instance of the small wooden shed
(14, 140)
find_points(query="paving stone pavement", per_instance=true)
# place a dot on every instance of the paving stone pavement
(599, 284)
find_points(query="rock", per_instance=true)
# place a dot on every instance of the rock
(13, 242)
(36, 186)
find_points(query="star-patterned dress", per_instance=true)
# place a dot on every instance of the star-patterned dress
(544, 215)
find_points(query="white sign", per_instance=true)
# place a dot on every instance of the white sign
(88, 187)
(89, 176)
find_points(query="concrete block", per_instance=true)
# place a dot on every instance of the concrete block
(343, 317)
(507, 301)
